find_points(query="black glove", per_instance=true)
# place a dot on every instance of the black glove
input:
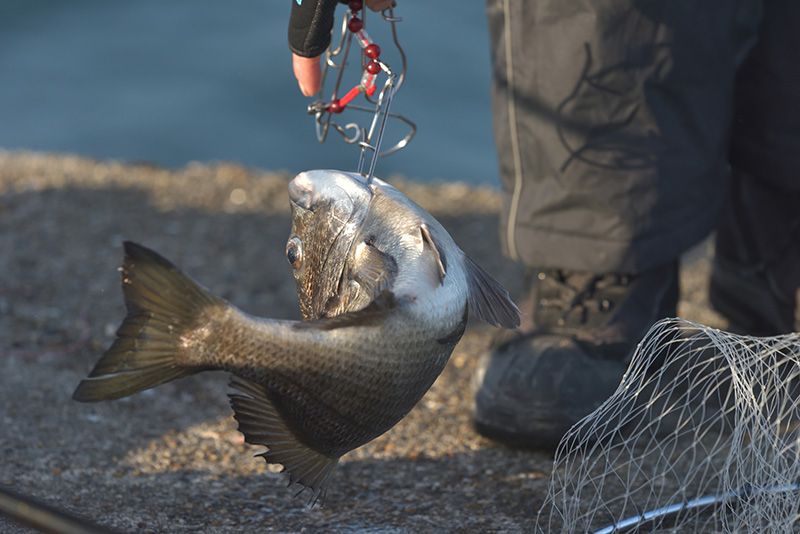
(310, 26)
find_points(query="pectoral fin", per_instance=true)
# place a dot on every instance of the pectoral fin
(370, 272)
(373, 269)
(488, 299)
(261, 424)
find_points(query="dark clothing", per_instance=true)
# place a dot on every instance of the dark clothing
(310, 25)
(760, 226)
(766, 128)
(613, 122)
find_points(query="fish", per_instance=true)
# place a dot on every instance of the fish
(384, 294)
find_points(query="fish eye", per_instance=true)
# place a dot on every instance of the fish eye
(294, 252)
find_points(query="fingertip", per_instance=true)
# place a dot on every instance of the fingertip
(306, 70)
(310, 90)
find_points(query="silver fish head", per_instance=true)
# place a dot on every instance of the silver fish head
(328, 208)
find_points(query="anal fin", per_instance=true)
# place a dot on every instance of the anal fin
(261, 424)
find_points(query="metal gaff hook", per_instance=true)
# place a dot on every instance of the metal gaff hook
(368, 139)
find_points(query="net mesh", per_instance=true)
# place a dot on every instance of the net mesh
(700, 436)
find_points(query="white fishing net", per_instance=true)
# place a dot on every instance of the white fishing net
(702, 435)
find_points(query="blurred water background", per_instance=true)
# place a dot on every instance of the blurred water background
(174, 81)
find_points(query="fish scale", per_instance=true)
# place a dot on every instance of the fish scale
(331, 367)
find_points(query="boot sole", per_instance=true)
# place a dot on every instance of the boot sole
(546, 440)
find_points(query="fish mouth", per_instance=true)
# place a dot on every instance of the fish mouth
(311, 188)
(301, 193)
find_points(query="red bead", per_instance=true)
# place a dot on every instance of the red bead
(336, 107)
(355, 24)
(355, 5)
(373, 67)
(373, 51)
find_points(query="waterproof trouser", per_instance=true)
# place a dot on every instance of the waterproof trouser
(617, 123)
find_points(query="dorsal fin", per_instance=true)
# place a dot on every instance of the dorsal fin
(488, 299)
(261, 424)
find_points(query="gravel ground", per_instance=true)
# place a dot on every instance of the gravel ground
(170, 459)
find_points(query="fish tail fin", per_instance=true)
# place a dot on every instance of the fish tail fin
(163, 304)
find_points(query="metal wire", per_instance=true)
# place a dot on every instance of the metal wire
(369, 140)
(699, 502)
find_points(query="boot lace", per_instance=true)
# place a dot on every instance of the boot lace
(569, 299)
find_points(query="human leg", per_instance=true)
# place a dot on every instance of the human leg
(611, 121)
(756, 272)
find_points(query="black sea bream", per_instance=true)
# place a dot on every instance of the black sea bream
(384, 293)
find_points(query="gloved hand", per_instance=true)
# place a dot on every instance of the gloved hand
(310, 26)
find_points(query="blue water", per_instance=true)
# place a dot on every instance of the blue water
(173, 81)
